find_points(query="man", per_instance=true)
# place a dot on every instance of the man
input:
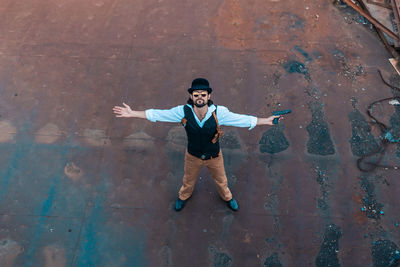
(201, 119)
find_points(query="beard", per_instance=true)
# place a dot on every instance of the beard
(200, 105)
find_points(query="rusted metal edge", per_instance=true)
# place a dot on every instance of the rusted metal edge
(391, 50)
(395, 5)
(372, 20)
(395, 55)
(395, 64)
(379, 4)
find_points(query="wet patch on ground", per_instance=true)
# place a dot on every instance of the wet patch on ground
(314, 92)
(176, 138)
(362, 141)
(272, 203)
(325, 174)
(303, 53)
(322, 180)
(230, 141)
(320, 142)
(220, 259)
(395, 127)
(291, 21)
(175, 147)
(351, 72)
(165, 254)
(372, 208)
(395, 118)
(395, 124)
(274, 140)
(385, 253)
(294, 66)
(350, 15)
(226, 226)
(327, 255)
(273, 261)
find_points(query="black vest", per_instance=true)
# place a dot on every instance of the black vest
(199, 139)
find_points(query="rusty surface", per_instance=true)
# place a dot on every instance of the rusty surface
(372, 20)
(381, 3)
(396, 8)
(79, 187)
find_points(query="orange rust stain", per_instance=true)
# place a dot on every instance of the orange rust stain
(357, 198)
(247, 238)
(234, 26)
(72, 171)
(359, 216)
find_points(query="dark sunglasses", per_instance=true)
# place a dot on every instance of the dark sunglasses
(197, 94)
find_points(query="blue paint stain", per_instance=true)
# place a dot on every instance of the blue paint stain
(316, 54)
(21, 153)
(105, 244)
(338, 54)
(296, 66)
(303, 53)
(44, 211)
(292, 21)
(23, 147)
(46, 207)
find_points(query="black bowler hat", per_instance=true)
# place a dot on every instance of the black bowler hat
(200, 84)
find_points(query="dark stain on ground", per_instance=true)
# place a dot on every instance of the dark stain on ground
(320, 142)
(313, 92)
(220, 259)
(229, 140)
(273, 261)
(292, 21)
(303, 53)
(274, 140)
(316, 54)
(362, 142)
(351, 15)
(385, 253)
(275, 78)
(395, 118)
(395, 123)
(322, 180)
(371, 207)
(349, 71)
(296, 66)
(327, 255)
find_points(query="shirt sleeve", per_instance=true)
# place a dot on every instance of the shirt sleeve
(228, 118)
(165, 115)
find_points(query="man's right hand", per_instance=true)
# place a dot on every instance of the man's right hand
(125, 112)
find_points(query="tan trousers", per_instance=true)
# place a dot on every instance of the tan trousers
(215, 166)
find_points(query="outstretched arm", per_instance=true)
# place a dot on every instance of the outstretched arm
(267, 121)
(127, 112)
(229, 118)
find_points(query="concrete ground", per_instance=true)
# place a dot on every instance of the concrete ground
(79, 187)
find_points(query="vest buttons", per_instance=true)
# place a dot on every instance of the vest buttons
(203, 156)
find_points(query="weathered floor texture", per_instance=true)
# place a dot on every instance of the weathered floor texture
(79, 187)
